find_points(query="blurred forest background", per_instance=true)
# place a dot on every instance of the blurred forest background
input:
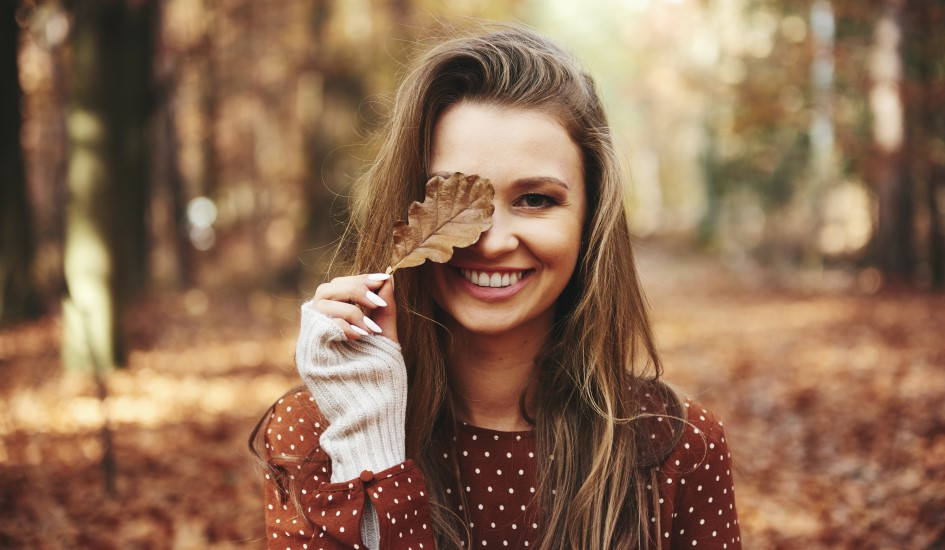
(175, 172)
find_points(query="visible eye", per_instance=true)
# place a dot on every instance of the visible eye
(536, 200)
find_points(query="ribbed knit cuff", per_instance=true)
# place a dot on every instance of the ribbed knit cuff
(361, 388)
(370, 526)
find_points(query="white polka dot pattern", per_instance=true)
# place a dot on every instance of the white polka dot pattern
(695, 493)
(497, 471)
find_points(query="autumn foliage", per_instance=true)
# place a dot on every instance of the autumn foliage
(804, 136)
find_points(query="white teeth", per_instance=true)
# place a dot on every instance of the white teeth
(493, 280)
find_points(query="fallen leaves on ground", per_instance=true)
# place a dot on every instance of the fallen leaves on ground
(832, 403)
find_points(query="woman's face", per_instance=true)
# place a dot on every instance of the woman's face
(511, 278)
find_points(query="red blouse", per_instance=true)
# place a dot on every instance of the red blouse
(498, 473)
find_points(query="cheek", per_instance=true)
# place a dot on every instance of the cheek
(570, 251)
(568, 255)
(559, 246)
(570, 240)
(435, 277)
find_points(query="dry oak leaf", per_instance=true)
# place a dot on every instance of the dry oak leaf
(454, 213)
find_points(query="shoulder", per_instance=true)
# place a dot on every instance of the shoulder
(700, 461)
(293, 428)
(696, 485)
(703, 439)
(670, 427)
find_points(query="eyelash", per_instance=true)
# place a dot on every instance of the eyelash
(546, 200)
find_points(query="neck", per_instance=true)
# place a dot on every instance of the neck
(490, 372)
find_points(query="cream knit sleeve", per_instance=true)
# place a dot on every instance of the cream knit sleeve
(361, 388)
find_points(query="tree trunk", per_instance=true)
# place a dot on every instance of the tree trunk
(893, 240)
(135, 96)
(925, 21)
(936, 190)
(210, 105)
(822, 139)
(106, 230)
(335, 89)
(18, 299)
(177, 196)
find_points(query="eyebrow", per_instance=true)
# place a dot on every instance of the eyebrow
(539, 180)
(522, 182)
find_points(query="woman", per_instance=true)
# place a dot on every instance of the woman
(534, 416)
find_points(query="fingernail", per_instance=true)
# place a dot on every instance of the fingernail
(372, 325)
(360, 330)
(375, 299)
(378, 277)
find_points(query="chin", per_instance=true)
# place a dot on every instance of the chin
(480, 325)
(484, 329)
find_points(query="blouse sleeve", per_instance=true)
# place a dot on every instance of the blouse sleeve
(699, 507)
(329, 516)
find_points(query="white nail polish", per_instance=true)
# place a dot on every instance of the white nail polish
(375, 299)
(372, 325)
(378, 277)
(360, 330)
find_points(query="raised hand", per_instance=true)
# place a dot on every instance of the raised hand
(359, 304)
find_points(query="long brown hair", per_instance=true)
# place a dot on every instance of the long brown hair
(590, 384)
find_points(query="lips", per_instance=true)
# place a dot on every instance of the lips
(492, 279)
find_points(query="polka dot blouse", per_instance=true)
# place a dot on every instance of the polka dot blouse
(498, 482)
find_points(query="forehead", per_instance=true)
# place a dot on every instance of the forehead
(505, 144)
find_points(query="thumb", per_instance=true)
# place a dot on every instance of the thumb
(386, 317)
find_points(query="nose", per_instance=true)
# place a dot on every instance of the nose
(499, 239)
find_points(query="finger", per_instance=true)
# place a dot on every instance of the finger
(358, 289)
(350, 314)
(386, 317)
(352, 332)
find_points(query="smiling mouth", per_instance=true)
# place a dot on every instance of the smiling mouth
(493, 279)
